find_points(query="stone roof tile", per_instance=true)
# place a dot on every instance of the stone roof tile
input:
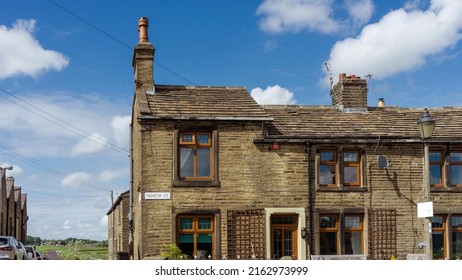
(205, 102)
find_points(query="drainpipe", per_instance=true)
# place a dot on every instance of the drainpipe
(130, 211)
(310, 202)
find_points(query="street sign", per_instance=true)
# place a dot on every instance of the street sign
(157, 195)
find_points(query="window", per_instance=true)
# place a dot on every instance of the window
(456, 223)
(284, 236)
(195, 235)
(344, 172)
(328, 168)
(328, 235)
(455, 168)
(338, 239)
(436, 168)
(195, 156)
(439, 237)
(351, 168)
(353, 235)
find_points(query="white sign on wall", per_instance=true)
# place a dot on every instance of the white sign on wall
(157, 195)
(425, 209)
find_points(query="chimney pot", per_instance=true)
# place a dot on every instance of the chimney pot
(143, 30)
(381, 103)
(341, 76)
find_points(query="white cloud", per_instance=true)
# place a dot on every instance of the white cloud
(22, 54)
(107, 176)
(278, 16)
(91, 144)
(273, 95)
(121, 129)
(296, 15)
(103, 221)
(401, 41)
(360, 11)
(63, 119)
(76, 179)
(14, 172)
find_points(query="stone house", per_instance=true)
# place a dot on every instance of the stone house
(223, 177)
(119, 227)
(13, 208)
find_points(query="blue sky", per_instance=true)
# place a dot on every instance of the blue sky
(66, 79)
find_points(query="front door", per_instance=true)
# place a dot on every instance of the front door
(284, 236)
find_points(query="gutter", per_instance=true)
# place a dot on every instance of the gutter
(207, 118)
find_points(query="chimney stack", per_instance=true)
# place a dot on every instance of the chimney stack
(350, 93)
(143, 30)
(143, 59)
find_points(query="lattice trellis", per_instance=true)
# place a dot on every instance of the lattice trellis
(246, 234)
(382, 233)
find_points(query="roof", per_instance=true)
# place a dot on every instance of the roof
(329, 122)
(122, 196)
(208, 103)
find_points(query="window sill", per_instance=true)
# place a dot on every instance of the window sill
(342, 189)
(446, 189)
(196, 184)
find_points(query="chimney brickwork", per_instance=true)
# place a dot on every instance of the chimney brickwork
(143, 58)
(350, 92)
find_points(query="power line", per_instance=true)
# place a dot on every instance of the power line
(21, 156)
(114, 38)
(51, 118)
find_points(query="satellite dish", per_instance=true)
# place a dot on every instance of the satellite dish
(383, 163)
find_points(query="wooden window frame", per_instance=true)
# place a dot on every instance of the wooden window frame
(442, 229)
(439, 163)
(356, 164)
(333, 163)
(195, 145)
(359, 229)
(331, 229)
(340, 164)
(453, 230)
(195, 228)
(451, 163)
(340, 229)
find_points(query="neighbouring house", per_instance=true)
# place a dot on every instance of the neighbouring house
(119, 228)
(226, 178)
(13, 214)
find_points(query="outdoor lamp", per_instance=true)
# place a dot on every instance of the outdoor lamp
(426, 124)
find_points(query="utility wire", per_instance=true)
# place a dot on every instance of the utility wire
(44, 167)
(115, 39)
(57, 121)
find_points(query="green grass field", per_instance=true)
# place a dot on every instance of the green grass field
(76, 252)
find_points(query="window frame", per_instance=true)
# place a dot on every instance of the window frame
(213, 179)
(339, 164)
(440, 164)
(454, 230)
(329, 163)
(359, 229)
(195, 145)
(451, 163)
(356, 164)
(340, 230)
(195, 230)
(334, 229)
(443, 230)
